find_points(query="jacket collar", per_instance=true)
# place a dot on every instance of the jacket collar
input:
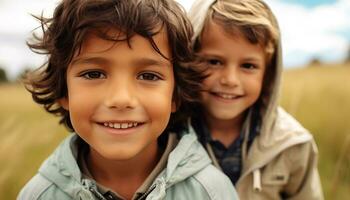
(61, 167)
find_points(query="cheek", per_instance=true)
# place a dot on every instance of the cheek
(82, 104)
(255, 86)
(158, 108)
(209, 81)
(158, 102)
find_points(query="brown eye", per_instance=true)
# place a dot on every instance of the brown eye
(249, 66)
(149, 77)
(93, 75)
(213, 62)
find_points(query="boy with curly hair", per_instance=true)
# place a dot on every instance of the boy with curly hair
(116, 75)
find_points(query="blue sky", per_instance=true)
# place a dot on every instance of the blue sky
(310, 28)
(310, 3)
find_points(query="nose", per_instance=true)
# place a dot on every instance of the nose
(120, 94)
(230, 76)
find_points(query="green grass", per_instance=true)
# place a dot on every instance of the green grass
(319, 97)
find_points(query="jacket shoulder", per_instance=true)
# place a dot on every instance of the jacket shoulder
(286, 123)
(40, 188)
(34, 188)
(217, 184)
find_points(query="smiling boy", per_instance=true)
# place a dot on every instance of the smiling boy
(108, 85)
(264, 151)
(119, 82)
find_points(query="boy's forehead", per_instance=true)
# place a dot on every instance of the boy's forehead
(117, 35)
(217, 26)
(99, 40)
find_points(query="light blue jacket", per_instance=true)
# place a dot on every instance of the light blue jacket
(189, 174)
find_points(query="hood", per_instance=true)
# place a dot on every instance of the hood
(61, 168)
(269, 99)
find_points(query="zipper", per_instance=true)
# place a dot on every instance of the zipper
(144, 195)
(96, 194)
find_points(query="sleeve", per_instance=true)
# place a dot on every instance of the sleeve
(304, 180)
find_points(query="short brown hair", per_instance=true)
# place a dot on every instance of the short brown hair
(252, 18)
(63, 35)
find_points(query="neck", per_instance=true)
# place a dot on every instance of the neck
(225, 131)
(123, 176)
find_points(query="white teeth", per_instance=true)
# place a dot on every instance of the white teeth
(120, 125)
(227, 96)
(124, 125)
(116, 125)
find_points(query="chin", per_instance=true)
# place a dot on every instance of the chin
(118, 155)
(225, 116)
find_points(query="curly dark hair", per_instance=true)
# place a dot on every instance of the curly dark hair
(64, 33)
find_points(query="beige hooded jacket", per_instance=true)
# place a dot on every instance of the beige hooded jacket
(282, 161)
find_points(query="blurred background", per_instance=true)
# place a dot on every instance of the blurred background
(315, 89)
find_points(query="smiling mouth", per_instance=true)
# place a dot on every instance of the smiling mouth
(226, 95)
(123, 125)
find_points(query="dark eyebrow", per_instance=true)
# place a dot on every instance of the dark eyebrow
(253, 59)
(89, 60)
(142, 62)
(211, 55)
(151, 62)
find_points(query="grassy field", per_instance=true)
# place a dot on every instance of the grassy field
(319, 97)
(27, 136)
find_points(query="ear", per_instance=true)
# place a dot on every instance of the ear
(64, 102)
(173, 106)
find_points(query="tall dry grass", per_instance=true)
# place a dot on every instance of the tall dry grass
(319, 97)
(27, 136)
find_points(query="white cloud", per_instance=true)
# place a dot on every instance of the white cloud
(313, 32)
(15, 15)
(16, 25)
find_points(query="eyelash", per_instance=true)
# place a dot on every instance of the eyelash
(147, 76)
(213, 62)
(249, 66)
(151, 76)
(87, 75)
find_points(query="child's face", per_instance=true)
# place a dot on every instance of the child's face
(120, 98)
(236, 69)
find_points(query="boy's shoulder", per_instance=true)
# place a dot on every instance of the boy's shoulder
(56, 176)
(190, 174)
(208, 184)
(287, 131)
(34, 188)
(287, 135)
(41, 188)
(285, 122)
(217, 185)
